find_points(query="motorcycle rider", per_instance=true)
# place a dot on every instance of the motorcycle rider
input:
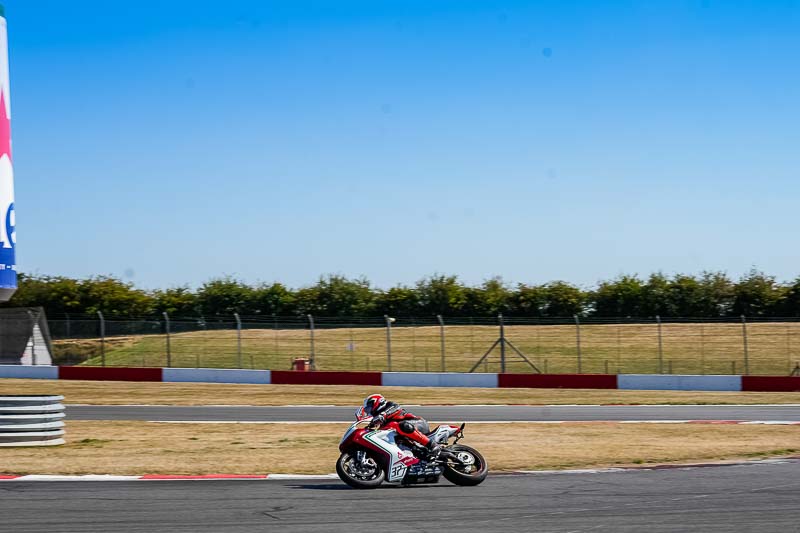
(390, 415)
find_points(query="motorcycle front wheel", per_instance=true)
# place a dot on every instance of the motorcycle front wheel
(367, 476)
(470, 470)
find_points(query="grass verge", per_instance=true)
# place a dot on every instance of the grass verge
(121, 392)
(130, 448)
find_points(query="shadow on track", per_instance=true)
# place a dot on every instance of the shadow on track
(343, 487)
(321, 487)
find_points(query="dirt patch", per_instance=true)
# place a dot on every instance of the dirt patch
(130, 448)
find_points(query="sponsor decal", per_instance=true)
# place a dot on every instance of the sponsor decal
(8, 230)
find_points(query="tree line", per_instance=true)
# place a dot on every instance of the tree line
(707, 295)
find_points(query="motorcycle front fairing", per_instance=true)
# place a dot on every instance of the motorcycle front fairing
(394, 459)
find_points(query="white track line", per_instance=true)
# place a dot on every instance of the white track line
(320, 477)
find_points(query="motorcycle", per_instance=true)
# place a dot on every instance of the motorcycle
(370, 457)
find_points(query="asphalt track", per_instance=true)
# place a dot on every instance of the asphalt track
(462, 413)
(761, 498)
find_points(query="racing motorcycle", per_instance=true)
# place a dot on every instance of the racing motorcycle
(370, 457)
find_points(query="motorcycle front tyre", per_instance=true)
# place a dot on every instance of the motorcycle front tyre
(355, 482)
(467, 480)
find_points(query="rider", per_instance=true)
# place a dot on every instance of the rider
(389, 415)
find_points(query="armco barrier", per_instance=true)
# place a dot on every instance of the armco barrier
(675, 382)
(31, 421)
(288, 377)
(437, 379)
(109, 373)
(28, 372)
(558, 381)
(411, 379)
(770, 384)
(216, 375)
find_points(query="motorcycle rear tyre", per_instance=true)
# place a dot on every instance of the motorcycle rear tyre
(466, 480)
(357, 483)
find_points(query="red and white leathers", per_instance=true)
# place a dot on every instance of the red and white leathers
(389, 415)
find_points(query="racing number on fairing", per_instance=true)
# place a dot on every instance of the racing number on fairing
(398, 471)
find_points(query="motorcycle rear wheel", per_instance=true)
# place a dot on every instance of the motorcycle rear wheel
(457, 474)
(345, 463)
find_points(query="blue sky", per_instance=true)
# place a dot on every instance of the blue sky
(278, 141)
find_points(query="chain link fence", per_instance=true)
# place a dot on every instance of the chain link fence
(567, 345)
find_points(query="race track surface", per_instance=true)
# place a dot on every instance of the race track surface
(761, 498)
(441, 413)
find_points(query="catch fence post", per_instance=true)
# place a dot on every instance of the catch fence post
(502, 343)
(789, 346)
(33, 336)
(312, 358)
(102, 338)
(169, 348)
(441, 339)
(703, 349)
(660, 347)
(202, 323)
(238, 340)
(275, 335)
(578, 342)
(69, 332)
(388, 321)
(746, 350)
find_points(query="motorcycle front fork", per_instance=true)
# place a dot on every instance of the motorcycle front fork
(361, 457)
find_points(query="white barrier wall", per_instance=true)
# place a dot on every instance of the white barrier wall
(437, 379)
(28, 372)
(673, 382)
(216, 375)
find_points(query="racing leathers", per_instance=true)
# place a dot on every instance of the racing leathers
(392, 416)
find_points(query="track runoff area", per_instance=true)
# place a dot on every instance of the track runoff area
(756, 495)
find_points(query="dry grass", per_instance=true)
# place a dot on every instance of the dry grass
(711, 348)
(120, 392)
(143, 447)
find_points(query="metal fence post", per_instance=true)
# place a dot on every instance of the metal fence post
(578, 342)
(275, 334)
(746, 350)
(204, 324)
(441, 340)
(389, 321)
(33, 337)
(102, 338)
(312, 357)
(502, 343)
(703, 349)
(789, 346)
(660, 347)
(69, 332)
(238, 340)
(169, 348)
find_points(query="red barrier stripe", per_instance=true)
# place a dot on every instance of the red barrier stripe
(288, 377)
(9, 477)
(107, 373)
(770, 384)
(558, 381)
(205, 476)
